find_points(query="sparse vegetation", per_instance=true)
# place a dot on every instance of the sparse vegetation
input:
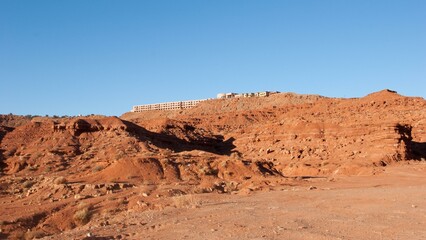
(207, 170)
(29, 116)
(98, 168)
(325, 163)
(83, 214)
(186, 201)
(236, 155)
(60, 180)
(33, 167)
(231, 186)
(28, 184)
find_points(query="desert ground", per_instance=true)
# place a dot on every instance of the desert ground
(287, 166)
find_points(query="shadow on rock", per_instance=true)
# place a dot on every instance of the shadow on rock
(213, 144)
(417, 150)
(414, 150)
(3, 131)
(2, 164)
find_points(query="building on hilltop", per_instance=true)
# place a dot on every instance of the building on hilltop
(167, 105)
(192, 103)
(238, 95)
(226, 95)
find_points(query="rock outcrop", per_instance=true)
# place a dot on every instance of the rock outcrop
(222, 145)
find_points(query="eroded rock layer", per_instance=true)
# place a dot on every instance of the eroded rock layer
(78, 168)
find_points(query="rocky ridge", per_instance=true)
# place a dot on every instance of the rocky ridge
(60, 168)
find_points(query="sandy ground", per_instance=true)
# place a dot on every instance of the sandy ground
(391, 205)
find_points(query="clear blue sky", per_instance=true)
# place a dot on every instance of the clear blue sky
(102, 57)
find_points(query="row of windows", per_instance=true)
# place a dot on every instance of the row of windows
(167, 106)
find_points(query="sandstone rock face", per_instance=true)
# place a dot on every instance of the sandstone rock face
(222, 145)
(321, 136)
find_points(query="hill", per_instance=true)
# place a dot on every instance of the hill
(61, 174)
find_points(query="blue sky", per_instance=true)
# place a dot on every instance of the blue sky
(102, 57)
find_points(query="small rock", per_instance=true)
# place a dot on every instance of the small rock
(145, 194)
(81, 187)
(312, 188)
(413, 206)
(89, 234)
